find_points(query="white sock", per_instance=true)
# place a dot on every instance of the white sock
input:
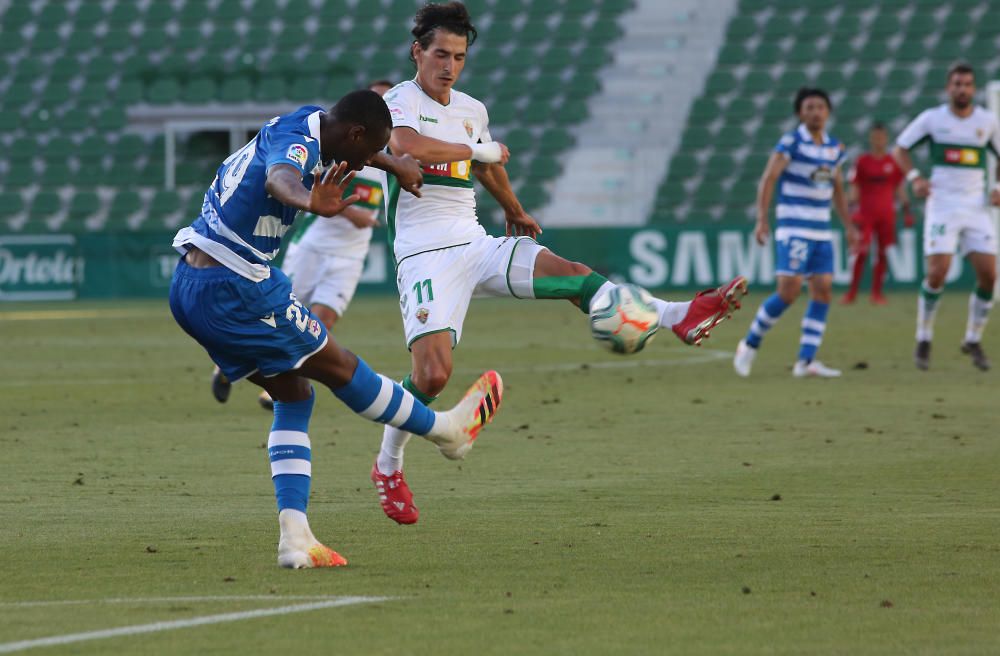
(979, 312)
(671, 313)
(295, 527)
(390, 457)
(927, 304)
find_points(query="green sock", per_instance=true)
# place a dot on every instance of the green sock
(581, 287)
(984, 294)
(412, 389)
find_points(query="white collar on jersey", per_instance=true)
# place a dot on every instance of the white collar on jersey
(313, 122)
(807, 135)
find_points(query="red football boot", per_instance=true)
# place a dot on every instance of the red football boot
(710, 308)
(395, 496)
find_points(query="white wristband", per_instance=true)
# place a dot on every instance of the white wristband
(912, 175)
(487, 153)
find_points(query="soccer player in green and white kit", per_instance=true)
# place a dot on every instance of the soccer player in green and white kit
(444, 256)
(957, 212)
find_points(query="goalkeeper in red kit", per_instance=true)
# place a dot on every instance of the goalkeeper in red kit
(876, 183)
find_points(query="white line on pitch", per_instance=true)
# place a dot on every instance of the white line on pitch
(61, 315)
(69, 638)
(161, 600)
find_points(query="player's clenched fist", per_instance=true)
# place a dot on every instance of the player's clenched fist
(408, 173)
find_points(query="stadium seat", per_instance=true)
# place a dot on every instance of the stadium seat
(45, 205)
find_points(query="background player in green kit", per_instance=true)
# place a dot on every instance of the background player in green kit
(957, 213)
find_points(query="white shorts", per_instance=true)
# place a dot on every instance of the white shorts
(962, 228)
(321, 278)
(435, 287)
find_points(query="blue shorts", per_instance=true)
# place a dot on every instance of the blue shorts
(804, 257)
(245, 326)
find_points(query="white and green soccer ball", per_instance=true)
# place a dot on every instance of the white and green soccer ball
(624, 319)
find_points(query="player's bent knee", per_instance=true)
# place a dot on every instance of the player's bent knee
(549, 264)
(432, 380)
(327, 316)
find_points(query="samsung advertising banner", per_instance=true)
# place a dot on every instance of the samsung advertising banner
(139, 264)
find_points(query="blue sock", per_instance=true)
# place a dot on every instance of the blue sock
(813, 326)
(767, 314)
(289, 450)
(375, 397)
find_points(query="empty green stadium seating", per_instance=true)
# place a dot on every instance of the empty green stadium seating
(884, 61)
(70, 71)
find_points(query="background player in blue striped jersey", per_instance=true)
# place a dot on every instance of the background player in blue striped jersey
(807, 165)
(226, 296)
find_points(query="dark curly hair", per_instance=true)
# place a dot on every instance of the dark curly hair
(808, 92)
(451, 16)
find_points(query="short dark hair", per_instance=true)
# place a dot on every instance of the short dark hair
(381, 83)
(365, 108)
(961, 68)
(877, 125)
(809, 92)
(450, 16)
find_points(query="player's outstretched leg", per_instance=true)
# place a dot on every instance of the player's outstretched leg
(376, 397)
(546, 275)
(708, 309)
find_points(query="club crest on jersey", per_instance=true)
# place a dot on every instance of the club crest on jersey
(298, 154)
(422, 315)
(822, 175)
(467, 124)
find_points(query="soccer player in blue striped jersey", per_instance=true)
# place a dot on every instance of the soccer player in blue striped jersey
(242, 311)
(806, 165)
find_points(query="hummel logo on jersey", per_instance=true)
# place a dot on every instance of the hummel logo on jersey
(269, 320)
(429, 119)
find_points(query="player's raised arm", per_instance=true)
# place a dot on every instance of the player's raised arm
(765, 190)
(284, 183)
(406, 140)
(494, 178)
(406, 168)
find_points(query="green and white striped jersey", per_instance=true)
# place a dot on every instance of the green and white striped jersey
(958, 150)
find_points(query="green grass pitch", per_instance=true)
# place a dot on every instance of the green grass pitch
(647, 505)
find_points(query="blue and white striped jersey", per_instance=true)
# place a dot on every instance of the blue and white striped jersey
(240, 225)
(805, 188)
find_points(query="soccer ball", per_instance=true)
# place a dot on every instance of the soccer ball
(624, 319)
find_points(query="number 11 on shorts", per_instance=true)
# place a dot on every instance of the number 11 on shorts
(419, 289)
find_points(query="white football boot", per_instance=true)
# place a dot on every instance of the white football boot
(814, 369)
(298, 548)
(743, 359)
